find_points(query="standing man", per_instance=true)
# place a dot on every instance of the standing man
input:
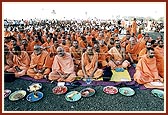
(134, 27)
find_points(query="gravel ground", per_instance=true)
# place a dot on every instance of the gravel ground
(143, 100)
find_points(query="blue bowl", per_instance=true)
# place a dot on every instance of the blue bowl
(32, 98)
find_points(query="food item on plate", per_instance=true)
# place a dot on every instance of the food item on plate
(34, 87)
(59, 89)
(125, 92)
(72, 94)
(85, 93)
(18, 96)
(110, 90)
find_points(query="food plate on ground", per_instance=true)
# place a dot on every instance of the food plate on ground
(32, 97)
(110, 90)
(127, 91)
(73, 96)
(59, 89)
(158, 93)
(87, 92)
(7, 92)
(34, 87)
(17, 95)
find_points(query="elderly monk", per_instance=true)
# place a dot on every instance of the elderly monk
(63, 67)
(21, 62)
(39, 67)
(76, 53)
(117, 56)
(146, 69)
(159, 54)
(90, 65)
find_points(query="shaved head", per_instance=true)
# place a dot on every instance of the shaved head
(60, 51)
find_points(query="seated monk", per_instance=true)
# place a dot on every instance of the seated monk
(101, 56)
(21, 62)
(159, 54)
(144, 50)
(8, 58)
(76, 53)
(63, 67)
(117, 56)
(47, 44)
(39, 67)
(146, 69)
(90, 65)
(83, 42)
(36, 41)
(64, 45)
(132, 50)
(103, 46)
(110, 44)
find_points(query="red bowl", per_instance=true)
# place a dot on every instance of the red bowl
(59, 90)
(110, 90)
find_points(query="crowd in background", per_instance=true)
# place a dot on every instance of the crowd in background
(63, 49)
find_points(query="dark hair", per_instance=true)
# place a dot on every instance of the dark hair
(89, 45)
(17, 48)
(117, 40)
(160, 41)
(83, 38)
(12, 38)
(150, 49)
(112, 38)
(153, 41)
(75, 41)
(147, 42)
(93, 39)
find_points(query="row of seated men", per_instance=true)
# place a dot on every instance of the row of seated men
(63, 59)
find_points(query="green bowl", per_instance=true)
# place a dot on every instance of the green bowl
(73, 96)
(158, 93)
(126, 91)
